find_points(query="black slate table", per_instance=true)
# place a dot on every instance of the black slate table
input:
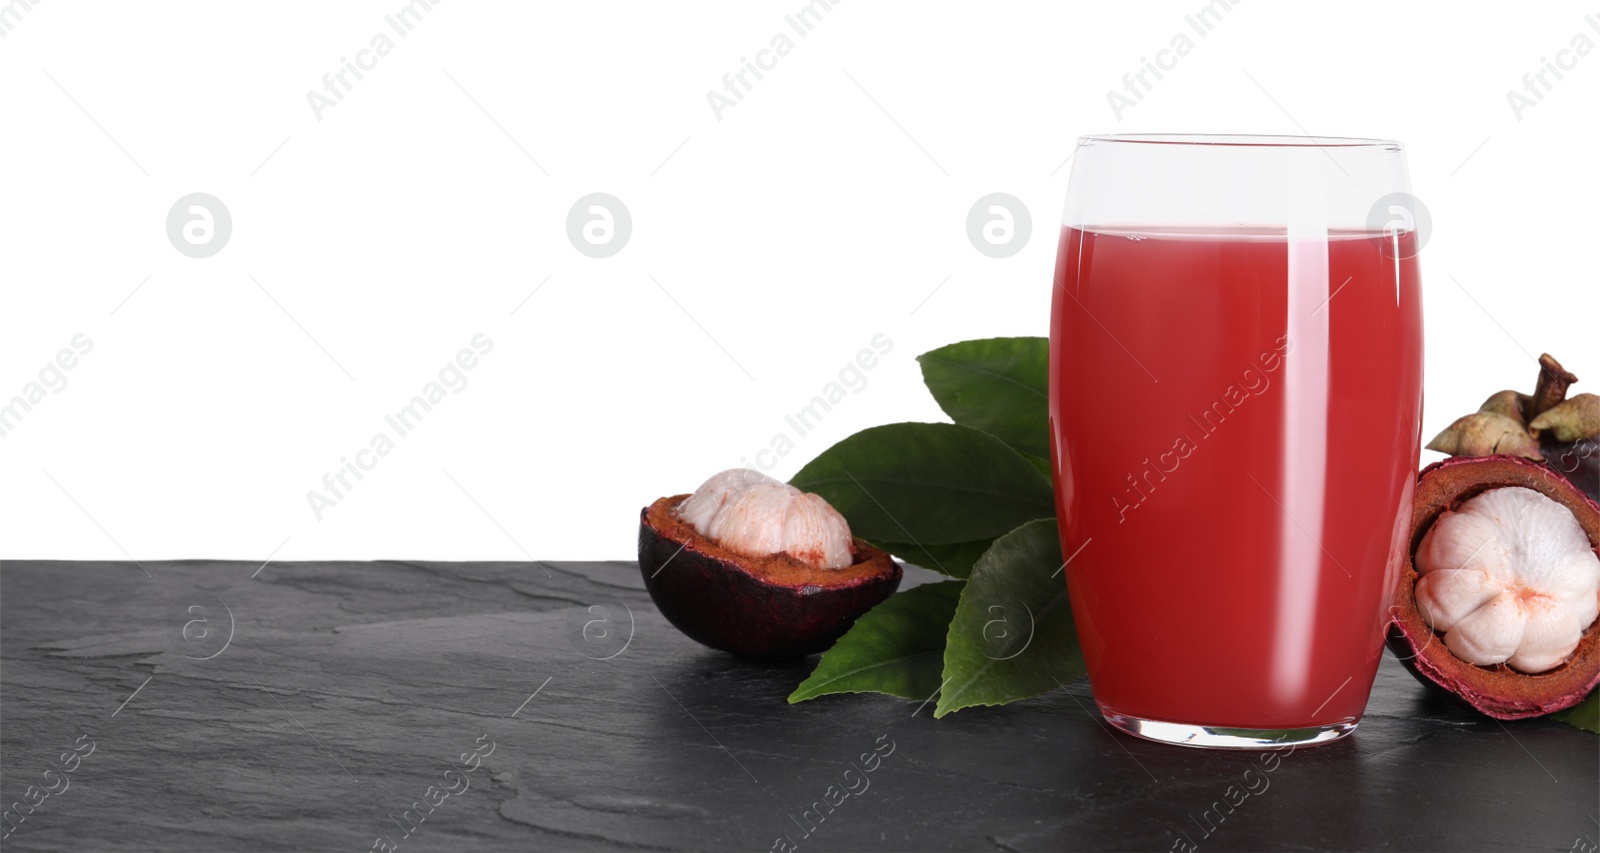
(520, 706)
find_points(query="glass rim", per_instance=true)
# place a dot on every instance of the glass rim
(1246, 140)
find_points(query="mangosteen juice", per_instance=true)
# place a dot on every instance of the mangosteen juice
(1235, 404)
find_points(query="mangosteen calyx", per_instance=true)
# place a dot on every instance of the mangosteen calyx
(1545, 426)
(1572, 419)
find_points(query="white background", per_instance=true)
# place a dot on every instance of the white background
(783, 237)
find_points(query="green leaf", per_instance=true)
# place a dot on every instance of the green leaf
(1584, 715)
(1012, 636)
(935, 484)
(954, 560)
(1041, 463)
(997, 385)
(895, 648)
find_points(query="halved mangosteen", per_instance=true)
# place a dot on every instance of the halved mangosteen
(1498, 599)
(756, 567)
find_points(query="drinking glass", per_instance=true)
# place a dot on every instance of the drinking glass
(1235, 415)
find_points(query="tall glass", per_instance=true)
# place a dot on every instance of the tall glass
(1235, 407)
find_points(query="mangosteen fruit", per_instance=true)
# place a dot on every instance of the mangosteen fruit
(756, 567)
(1569, 436)
(1543, 426)
(1499, 593)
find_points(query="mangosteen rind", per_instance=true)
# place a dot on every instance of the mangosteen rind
(769, 608)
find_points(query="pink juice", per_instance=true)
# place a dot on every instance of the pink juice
(1235, 422)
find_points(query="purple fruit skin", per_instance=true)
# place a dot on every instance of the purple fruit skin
(1578, 461)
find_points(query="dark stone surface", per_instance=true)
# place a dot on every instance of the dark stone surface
(349, 688)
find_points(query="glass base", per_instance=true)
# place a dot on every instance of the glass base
(1227, 737)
